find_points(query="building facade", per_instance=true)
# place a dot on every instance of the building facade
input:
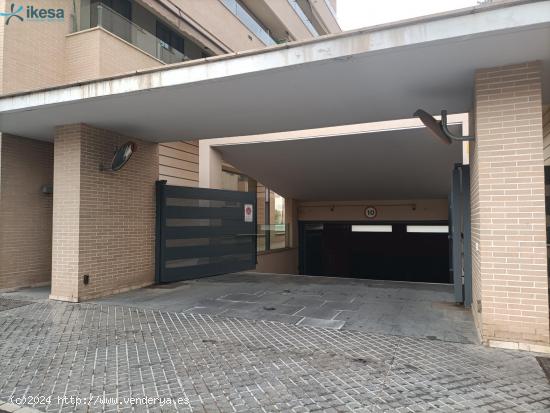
(347, 183)
(97, 39)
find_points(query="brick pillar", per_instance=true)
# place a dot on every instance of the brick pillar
(510, 282)
(103, 222)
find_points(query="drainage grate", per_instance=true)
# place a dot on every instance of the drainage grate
(545, 364)
(8, 304)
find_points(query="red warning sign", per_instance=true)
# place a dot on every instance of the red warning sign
(248, 213)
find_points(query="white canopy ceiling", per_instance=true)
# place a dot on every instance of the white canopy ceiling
(369, 75)
(412, 162)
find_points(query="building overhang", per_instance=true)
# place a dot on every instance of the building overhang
(385, 160)
(374, 74)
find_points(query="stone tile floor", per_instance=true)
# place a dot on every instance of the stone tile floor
(385, 307)
(108, 353)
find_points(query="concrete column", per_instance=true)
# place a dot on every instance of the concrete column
(103, 222)
(210, 166)
(509, 263)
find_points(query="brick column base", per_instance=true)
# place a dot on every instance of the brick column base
(103, 222)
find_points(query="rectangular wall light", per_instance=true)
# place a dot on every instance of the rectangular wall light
(371, 228)
(428, 229)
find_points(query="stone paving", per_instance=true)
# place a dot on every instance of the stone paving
(206, 363)
(384, 307)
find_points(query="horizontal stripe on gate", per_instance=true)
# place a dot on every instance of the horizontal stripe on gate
(198, 212)
(208, 194)
(208, 251)
(242, 230)
(188, 273)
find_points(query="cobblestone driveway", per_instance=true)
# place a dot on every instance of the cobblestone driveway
(230, 364)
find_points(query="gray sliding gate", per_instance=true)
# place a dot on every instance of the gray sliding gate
(203, 232)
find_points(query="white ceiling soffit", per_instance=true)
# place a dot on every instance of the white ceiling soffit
(392, 164)
(375, 74)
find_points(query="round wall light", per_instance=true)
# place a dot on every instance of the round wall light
(123, 155)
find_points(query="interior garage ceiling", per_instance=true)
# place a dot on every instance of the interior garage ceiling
(399, 164)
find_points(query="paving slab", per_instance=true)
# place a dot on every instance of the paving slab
(321, 323)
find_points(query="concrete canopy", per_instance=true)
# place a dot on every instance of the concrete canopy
(388, 164)
(374, 74)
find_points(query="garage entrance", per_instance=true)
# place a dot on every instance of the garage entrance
(399, 251)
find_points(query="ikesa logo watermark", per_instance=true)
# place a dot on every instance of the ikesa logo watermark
(32, 13)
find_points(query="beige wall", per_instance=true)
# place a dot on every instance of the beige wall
(33, 51)
(103, 222)
(97, 53)
(403, 210)
(510, 284)
(179, 163)
(26, 165)
(279, 262)
(2, 27)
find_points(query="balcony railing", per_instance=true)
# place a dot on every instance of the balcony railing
(303, 17)
(246, 18)
(113, 22)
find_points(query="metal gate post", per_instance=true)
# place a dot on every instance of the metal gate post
(161, 200)
(267, 219)
(467, 239)
(456, 234)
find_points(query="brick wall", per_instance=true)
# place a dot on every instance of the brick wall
(96, 53)
(2, 25)
(508, 218)
(25, 212)
(33, 51)
(104, 222)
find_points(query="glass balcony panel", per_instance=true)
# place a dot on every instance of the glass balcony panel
(105, 17)
(303, 17)
(246, 18)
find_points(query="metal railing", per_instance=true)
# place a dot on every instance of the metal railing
(303, 17)
(105, 17)
(246, 18)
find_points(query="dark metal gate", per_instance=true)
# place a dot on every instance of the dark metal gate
(203, 232)
(460, 228)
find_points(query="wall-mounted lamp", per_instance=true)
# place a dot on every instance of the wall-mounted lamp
(121, 157)
(439, 128)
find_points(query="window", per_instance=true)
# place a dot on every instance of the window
(273, 231)
(428, 229)
(371, 228)
(169, 39)
(234, 181)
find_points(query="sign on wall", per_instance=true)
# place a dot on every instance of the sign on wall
(248, 213)
(371, 212)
